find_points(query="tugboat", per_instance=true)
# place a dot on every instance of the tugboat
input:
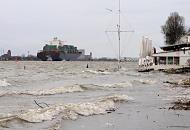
(56, 50)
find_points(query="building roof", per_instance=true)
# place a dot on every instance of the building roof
(175, 47)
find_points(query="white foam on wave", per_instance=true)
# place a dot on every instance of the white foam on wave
(117, 98)
(181, 98)
(59, 90)
(4, 83)
(72, 111)
(119, 85)
(97, 72)
(130, 73)
(52, 91)
(56, 90)
(145, 81)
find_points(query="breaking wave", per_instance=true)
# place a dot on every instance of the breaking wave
(52, 91)
(97, 72)
(4, 83)
(70, 111)
(145, 81)
(177, 97)
(119, 85)
(58, 90)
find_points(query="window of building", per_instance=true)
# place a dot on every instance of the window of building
(162, 60)
(176, 60)
(170, 60)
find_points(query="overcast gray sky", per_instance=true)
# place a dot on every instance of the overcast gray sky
(26, 25)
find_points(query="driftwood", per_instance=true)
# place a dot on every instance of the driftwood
(169, 82)
(177, 70)
(38, 104)
(181, 105)
(185, 83)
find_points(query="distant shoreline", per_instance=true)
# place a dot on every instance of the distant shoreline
(95, 59)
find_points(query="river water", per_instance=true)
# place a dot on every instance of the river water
(69, 96)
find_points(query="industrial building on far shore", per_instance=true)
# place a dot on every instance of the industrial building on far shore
(8, 57)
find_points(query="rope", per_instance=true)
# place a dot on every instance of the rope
(112, 44)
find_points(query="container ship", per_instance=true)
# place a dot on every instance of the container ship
(56, 50)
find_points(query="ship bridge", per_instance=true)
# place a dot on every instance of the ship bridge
(56, 42)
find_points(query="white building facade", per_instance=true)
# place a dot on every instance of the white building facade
(181, 58)
(178, 54)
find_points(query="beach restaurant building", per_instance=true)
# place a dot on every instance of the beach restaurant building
(177, 54)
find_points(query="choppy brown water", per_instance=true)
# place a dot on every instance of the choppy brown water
(74, 97)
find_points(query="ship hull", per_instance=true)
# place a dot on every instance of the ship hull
(44, 55)
(60, 56)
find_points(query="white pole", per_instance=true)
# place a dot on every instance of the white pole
(119, 34)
